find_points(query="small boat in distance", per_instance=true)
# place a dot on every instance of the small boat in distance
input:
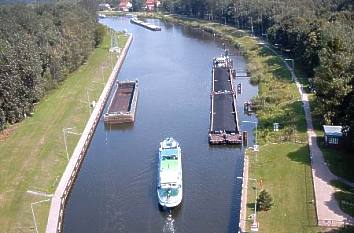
(144, 24)
(102, 16)
(169, 182)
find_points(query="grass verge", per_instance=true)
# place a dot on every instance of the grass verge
(33, 156)
(285, 172)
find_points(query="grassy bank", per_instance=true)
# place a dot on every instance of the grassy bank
(285, 172)
(33, 156)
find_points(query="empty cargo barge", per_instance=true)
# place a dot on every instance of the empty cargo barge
(123, 104)
(224, 128)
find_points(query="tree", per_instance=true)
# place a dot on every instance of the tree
(39, 46)
(138, 4)
(264, 201)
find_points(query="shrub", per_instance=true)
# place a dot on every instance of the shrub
(264, 201)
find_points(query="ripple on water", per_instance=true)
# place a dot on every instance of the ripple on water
(169, 226)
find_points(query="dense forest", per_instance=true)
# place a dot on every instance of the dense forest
(39, 46)
(318, 34)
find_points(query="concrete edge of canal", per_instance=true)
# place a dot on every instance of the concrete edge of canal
(56, 212)
(243, 209)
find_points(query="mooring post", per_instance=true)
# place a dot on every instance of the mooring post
(239, 89)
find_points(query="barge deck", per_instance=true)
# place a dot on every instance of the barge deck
(224, 128)
(123, 104)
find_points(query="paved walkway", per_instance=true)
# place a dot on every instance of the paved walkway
(327, 208)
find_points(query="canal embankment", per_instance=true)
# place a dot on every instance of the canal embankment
(59, 198)
(33, 156)
(277, 102)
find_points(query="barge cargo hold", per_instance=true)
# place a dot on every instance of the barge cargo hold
(224, 128)
(123, 104)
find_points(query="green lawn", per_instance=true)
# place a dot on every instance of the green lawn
(286, 174)
(33, 156)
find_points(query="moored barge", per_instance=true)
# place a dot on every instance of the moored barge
(144, 24)
(224, 127)
(123, 104)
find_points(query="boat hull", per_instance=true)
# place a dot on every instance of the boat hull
(171, 204)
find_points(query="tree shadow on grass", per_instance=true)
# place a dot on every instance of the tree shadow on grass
(301, 156)
(250, 205)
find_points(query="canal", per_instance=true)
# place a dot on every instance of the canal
(116, 188)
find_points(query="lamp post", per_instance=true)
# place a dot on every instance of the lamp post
(293, 67)
(67, 131)
(33, 215)
(255, 224)
(292, 62)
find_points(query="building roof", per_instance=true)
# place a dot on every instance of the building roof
(123, 3)
(333, 130)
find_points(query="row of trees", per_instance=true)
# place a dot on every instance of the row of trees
(39, 46)
(318, 34)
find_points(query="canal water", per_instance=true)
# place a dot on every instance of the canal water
(116, 188)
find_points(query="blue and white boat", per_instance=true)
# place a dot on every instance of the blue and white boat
(169, 182)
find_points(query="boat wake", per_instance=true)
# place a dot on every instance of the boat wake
(169, 225)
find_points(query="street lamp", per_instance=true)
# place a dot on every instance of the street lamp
(255, 224)
(88, 98)
(67, 131)
(33, 215)
(292, 62)
(253, 122)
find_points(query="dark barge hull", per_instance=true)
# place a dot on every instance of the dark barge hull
(123, 104)
(224, 128)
